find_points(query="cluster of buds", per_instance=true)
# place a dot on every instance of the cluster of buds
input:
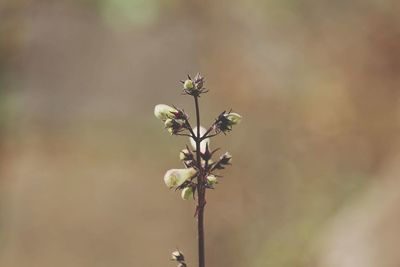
(175, 120)
(184, 179)
(178, 257)
(225, 121)
(194, 86)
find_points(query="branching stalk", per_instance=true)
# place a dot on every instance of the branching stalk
(196, 177)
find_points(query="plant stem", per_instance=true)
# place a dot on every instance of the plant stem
(201, 192)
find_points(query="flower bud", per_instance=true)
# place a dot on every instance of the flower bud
(176, 177)
(233, 118)
(203, 144)
(168, 123)
(226, 158)
(225, 121)
(163, 112)
(187, 193)
(188, 84)
(177, 256)
(212, 180)
(174, 126)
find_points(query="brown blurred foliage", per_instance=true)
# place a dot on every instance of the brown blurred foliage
(315, 180)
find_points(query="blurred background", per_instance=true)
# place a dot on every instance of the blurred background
(315, 180)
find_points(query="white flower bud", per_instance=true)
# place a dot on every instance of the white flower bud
(168, 123)
(233, 118)
(203, 143)
(176, 177)
(188, 84)
(212, 180)
(163, 112)
(187, 193)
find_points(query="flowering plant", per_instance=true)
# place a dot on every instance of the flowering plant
(200, 169)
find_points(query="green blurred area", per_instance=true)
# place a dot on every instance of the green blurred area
(315, 175)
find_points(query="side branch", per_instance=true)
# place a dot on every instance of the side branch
(190, 129)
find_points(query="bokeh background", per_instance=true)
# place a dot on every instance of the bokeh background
(315, 180)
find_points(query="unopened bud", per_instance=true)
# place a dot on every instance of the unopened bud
(212, 180)
(176, 177)
(188, 84)
(187, 193)
(174, 126)
(233, 118)
(163, 112)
